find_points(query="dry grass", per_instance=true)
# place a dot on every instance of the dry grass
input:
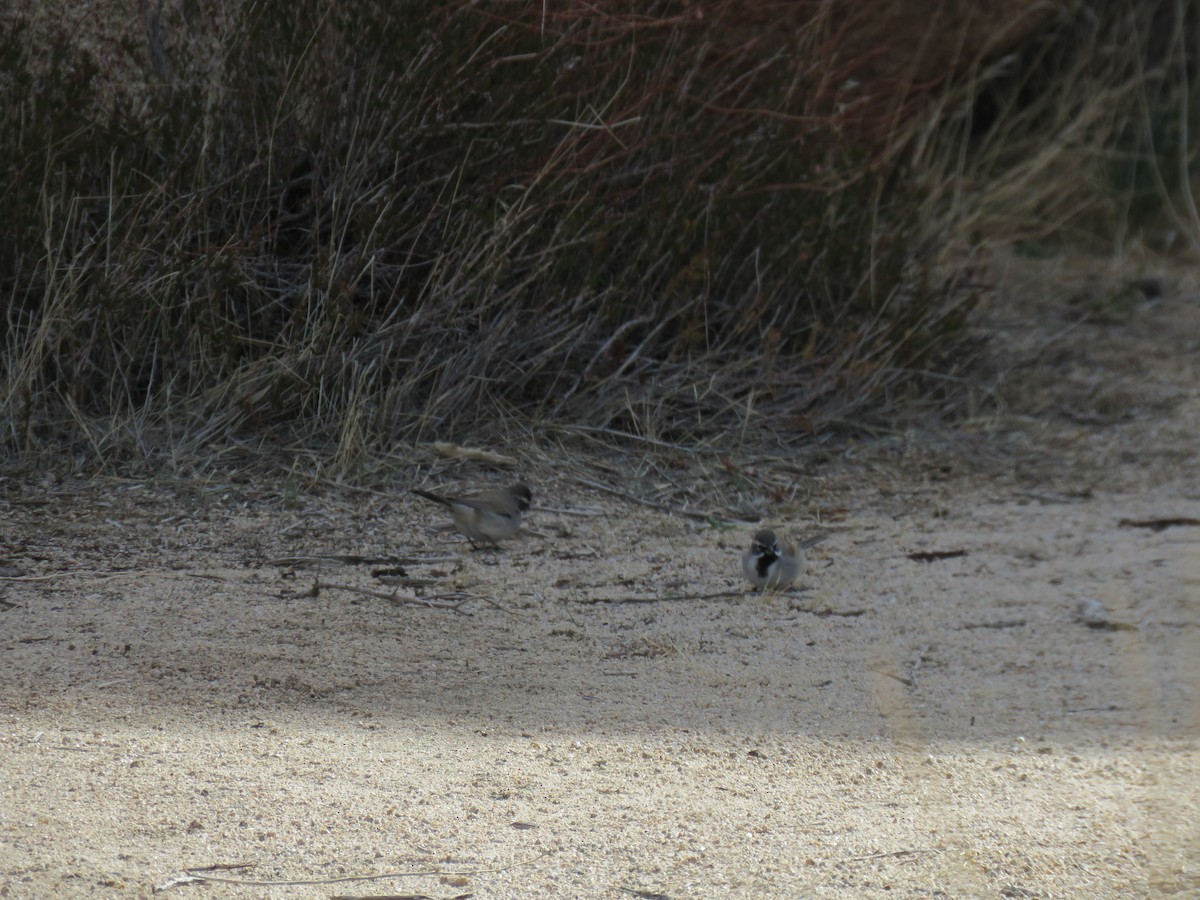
(1077, 136)
(337, 229)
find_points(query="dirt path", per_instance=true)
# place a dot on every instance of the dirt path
(606, 715)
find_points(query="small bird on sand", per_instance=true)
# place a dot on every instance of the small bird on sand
(771, 563)
(489, 516)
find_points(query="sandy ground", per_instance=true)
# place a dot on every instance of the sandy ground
(608, 713)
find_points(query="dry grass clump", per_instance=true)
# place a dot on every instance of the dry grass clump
(1076, 135)
(355, 224)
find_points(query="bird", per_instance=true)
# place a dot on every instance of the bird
(487, 517)
(770, 563)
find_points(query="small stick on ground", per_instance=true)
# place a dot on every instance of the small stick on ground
(391, 598)
(917, 852)
(661, 507)
(670, 598)
(907, 682)
(351, 560)
(199, 875)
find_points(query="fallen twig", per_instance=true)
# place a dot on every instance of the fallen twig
(892, 853)
(1159, 524)
(474, 454)
(1002, 623)
(927, 556)
(572, 511)
(198, 874)
(907, 682)
(633, 498)
(826, 612)
(671, 598)
(352, 560)
(391, 598)
(646, 895)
